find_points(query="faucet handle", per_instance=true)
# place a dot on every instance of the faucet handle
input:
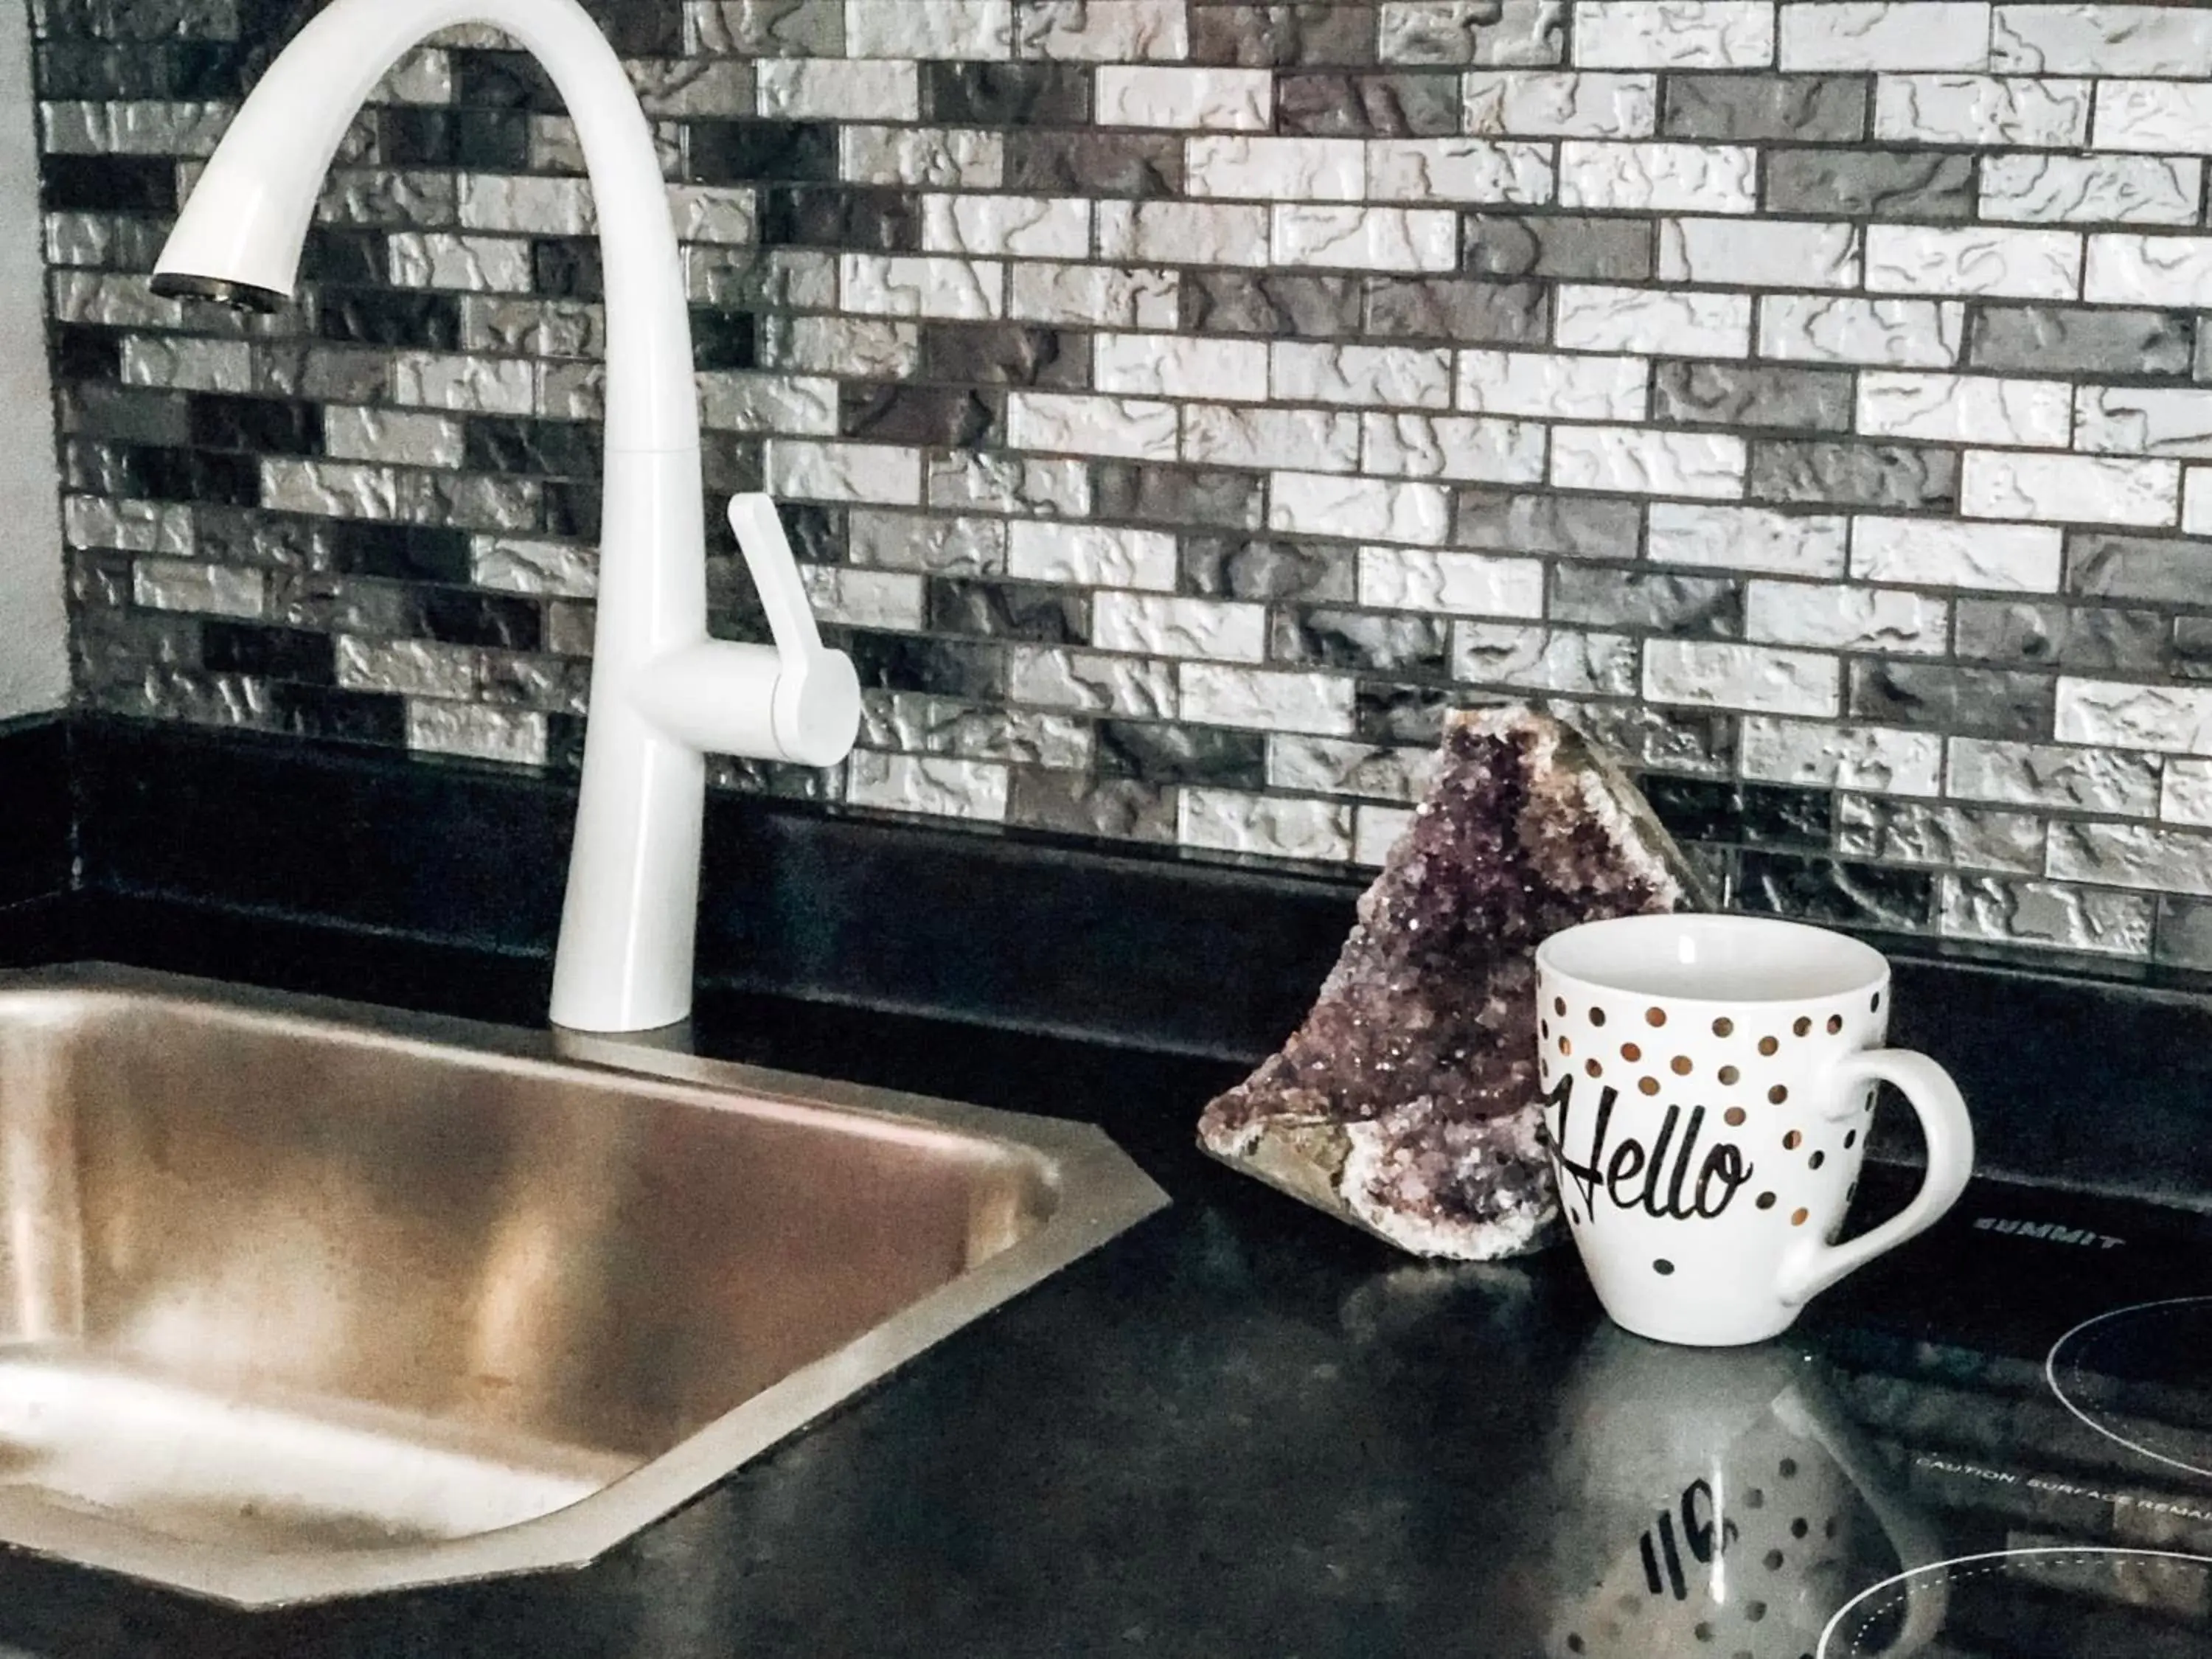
(818, 692)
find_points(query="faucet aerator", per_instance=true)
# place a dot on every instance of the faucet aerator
(239, 296)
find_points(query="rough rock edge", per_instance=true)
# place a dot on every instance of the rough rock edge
(1332, 1165)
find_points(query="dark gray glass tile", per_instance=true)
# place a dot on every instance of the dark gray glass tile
(1268, 567)
(1563, 244)
(1367, 106)
(932, 417)
(1011, 611)
(869, 218)
(2104, 565)
(1580, 526)
(1091, 163)
(1662, 602)
(1369, 641)
(1256, 35)
(1455, 311)
(1882, 184)
(1007, 95)
(1072, 803)
(2069, 339)
(1005, 354)
(1177, 495)
(1939, 697)
(1854, 475)
(1271, 302)
(2052, 634)
(1160, 752)
(1743, 108)
(1738, 394)
(1397, 714)
(95, 409)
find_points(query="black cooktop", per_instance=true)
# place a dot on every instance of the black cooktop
(2000, 1444)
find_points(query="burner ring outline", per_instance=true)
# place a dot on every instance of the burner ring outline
(2050, 1376)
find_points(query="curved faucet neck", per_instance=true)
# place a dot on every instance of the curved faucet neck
(249, 215)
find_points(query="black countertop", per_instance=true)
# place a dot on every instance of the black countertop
(1243, 1429)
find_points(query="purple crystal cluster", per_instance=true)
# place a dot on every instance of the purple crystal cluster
(1407, 1101)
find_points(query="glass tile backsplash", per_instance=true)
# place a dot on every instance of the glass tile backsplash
(1178, 404)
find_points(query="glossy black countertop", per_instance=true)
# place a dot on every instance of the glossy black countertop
(1243, 1429)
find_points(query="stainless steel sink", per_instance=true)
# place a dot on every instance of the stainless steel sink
(299, 1299)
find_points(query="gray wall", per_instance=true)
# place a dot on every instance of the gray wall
(1180, 403)
(33, 631)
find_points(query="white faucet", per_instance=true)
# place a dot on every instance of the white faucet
(663, 695)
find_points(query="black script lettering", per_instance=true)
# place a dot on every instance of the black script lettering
(1725, 1164)
(1632, 1176)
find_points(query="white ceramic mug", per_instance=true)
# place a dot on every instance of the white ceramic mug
(1709, 1083)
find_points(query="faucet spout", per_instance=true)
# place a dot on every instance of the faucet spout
(660, 688)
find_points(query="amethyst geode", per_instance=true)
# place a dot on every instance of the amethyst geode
(1406, 1103)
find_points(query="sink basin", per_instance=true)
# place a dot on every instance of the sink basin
(300, 1300)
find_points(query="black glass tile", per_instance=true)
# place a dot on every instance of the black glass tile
(1013, 610)
(1007, 95)
(867, 217)
(457, 616)
(564, 743)
(86, 353)
(739, 152)
(401, 552)
(331, 255)
(390, 317)
(568, 268)
(255, 423)
(206, 69)
(196, 474)
(1383, 712)
(282, 653)
(503, 80)
(908, 662)
(488, 140)
(316, 711)
(558, 449)
(1703, 809)
(724, 339)
(1160, 752)
(111, 184)
(729, 462)
(572, 508)
(640, 28)
(1832, 890)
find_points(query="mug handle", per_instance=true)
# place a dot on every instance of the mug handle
(1813, 1266)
